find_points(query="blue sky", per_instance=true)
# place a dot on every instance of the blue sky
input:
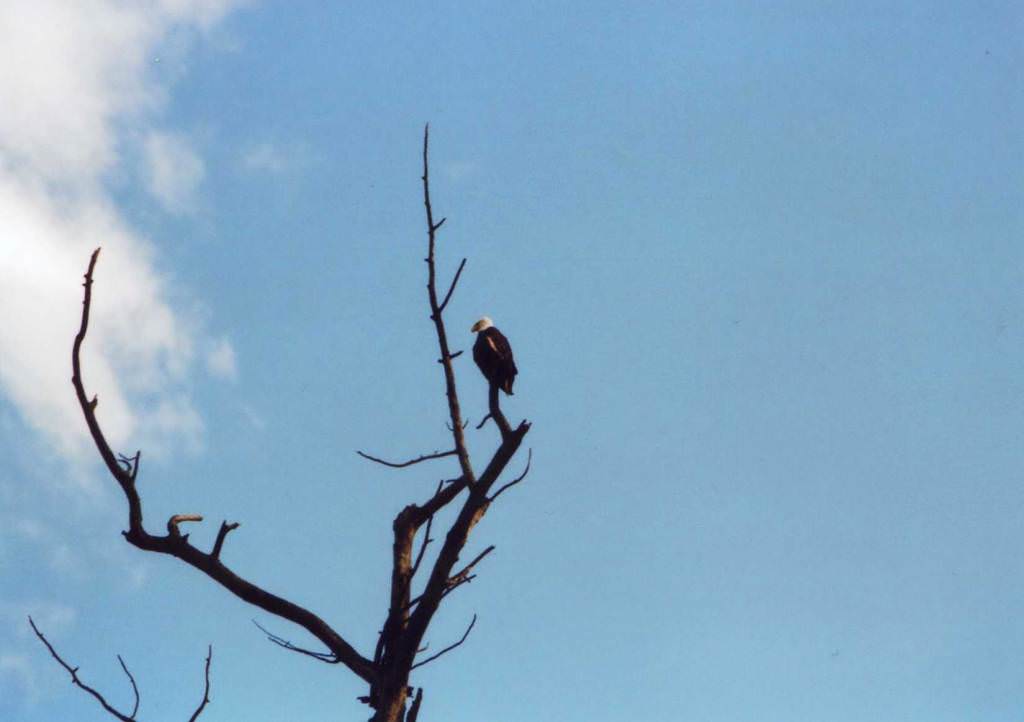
(762, 271)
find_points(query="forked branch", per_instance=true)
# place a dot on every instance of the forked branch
(414, 709)
(176, 544)
(435, 314)
(327, 657)
(77, 681)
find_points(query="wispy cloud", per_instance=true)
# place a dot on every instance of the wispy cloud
(459, 170)
(81, 94)
(266, 157)
(18, 668)
(77, 91)
(174, 171)
(220, 360)
(255, 419)
(55, 618)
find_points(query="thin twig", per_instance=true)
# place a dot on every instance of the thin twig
(529, 458)
(222, 534)
(456, 579)
(327, 657)
(426, 536)
(206, 688)
(483, 421)
(135, 688)
(417, 460)
(73, 671)
(451, 357)
(456, 585)
(448, 648)
(451, 288)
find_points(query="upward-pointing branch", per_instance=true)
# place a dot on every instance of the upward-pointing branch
(75, 680)
(435, 315)
(451, 289)
(176, 544)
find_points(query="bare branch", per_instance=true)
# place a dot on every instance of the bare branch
(451, 289)
(206, 688)
(172, 523)
(89, 405)
(494, 405)
(417, 460)
(131, 464)
(327, 657)
(456, 585)
(426, 536)
(448, 648)
(464, 576)
(472, 511)
(457, 579)
(451, 489)
(483, 421)
(177, 545)
(435, 315)
(414, 708)
(135, 688)
(73, 671)
(529, 458)
(451, 357)
(221, 536)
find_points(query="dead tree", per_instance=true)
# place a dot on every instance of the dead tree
(387, 670)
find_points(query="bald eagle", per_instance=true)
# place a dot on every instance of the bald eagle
(493, 355)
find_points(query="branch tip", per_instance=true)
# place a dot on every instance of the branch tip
(403, 464)
(529, 459)
(222, 534)
(448, 648)
(172, 523)
(327, 657)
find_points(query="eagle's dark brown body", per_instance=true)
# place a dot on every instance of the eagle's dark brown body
(493, 355)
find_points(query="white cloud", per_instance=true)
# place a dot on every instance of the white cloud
(77, 90)
(266, 157)
(220, 360)
(31, 529)
(52, 618)
(255, 419)
(459, 170)
(173, 171)
(18, 667)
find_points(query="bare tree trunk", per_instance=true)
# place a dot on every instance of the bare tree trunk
(391, 704)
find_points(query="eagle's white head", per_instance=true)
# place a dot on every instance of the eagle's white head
(482, 324)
